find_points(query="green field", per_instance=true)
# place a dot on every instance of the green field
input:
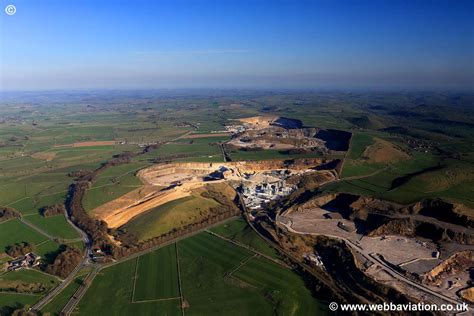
(451, 182)
(14, 231)
(239, 231)
(197, 149)
(434, 128)
(169, 215)
(111, 294)
(359, 142)
(31, 276)
(31, 206)
(10, 301)
(157, 275)
(112, 183)
(285, 288)
(55, 226)
(217, 277)
(45, 248)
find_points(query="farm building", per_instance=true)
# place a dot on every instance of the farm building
(29, 260)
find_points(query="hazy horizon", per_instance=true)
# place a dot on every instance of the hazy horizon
(308, 45)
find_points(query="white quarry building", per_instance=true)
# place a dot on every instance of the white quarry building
(260, 188)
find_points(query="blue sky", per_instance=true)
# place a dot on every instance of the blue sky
(326, 44)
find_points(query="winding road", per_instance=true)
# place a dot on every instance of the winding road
(373, 258)
(84, 262)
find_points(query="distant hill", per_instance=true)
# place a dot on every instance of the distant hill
(367, 122)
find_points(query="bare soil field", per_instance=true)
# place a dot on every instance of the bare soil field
(44, 155)
(468, 294)
(88, 144)
(192, 136)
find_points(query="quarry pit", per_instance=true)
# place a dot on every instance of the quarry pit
(166, 182)
(280, 133)
(384, 235)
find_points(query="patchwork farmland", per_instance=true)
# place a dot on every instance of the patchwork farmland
(203, 274)
(46, 149)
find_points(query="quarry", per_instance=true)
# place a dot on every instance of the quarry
(425, 249)
(259, 182)
(279, 133)
(393, 243)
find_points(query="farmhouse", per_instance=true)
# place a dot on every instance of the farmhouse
(29, 260)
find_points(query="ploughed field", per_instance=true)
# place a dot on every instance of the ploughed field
(203, 274)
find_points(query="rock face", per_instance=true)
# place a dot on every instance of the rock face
(431, 218)
(467, 294)
(269, 120)
(458, 262)
(278, 138)
(242, 166)
(280, 133)
(447, 212)
(399, 226)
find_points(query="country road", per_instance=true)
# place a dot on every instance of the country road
(85, 261)
(75, 299)
(72, 303)
(369, 256)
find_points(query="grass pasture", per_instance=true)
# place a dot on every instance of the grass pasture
(31, 276)
(360, 141)
(169, 215)
(284, 287)
(213, 284)
(451, 181)
(10, 301)
(217, 278)
(157, 275)
(112, 183)
(111, 294)
(238, 230)
(195, 149)
(32, 205)
(14, 231)
(46, 247)
(56, 226)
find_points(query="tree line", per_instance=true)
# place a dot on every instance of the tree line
(7, 213)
